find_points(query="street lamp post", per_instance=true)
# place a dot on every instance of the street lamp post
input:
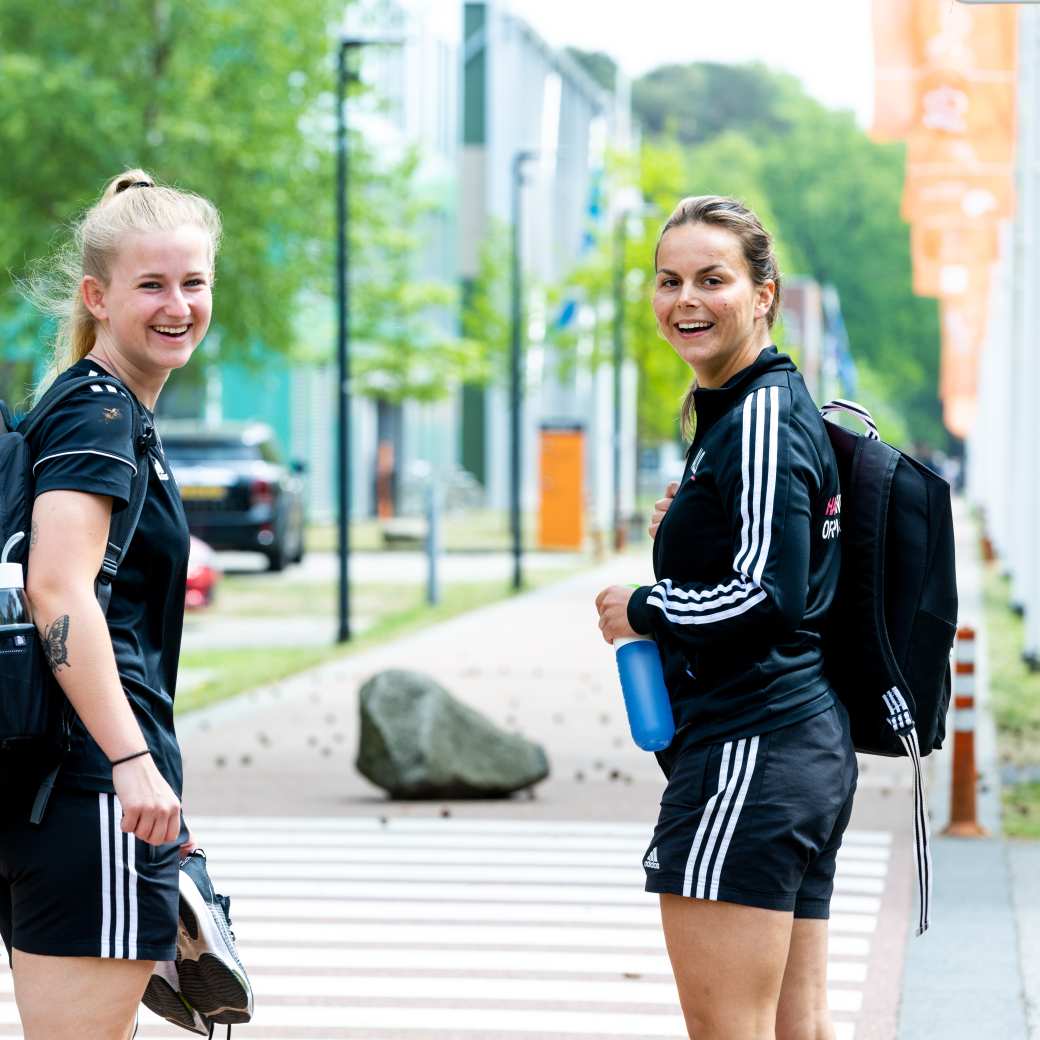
(515, 384)
(346, 45)
(619, 319)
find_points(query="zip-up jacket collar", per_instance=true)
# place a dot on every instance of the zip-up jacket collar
(713, 402)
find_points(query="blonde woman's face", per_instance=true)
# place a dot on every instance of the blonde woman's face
(706, 304)
(157, 305)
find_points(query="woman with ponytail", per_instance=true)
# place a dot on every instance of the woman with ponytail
(89, 897)
(761, 772)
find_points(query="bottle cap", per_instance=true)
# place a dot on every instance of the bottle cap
(625, 640)
(11, 576)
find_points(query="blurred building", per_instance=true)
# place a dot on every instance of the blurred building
(521, 96)
(471, 87)
(1003, 447)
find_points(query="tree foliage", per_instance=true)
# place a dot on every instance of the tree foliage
(402, 324)
(831, 197)
(227, 99)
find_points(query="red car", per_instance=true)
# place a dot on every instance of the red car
(203, 575)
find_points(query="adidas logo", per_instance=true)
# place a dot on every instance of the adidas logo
(650, 863)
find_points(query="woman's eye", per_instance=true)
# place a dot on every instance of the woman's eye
(712, 282)
(196, 282)
(150, 285)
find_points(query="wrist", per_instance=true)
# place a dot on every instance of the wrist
(129, 758)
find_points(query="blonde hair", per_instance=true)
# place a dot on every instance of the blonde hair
(757, 243)
(131, 203)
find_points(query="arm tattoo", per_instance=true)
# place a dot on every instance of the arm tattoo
(34, 533)
(55, 647)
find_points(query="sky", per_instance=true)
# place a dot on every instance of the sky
(825, 43)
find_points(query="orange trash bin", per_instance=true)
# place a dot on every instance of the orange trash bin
(561, 513)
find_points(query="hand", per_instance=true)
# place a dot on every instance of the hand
(151, 811)
(612, 604)
(661, 507)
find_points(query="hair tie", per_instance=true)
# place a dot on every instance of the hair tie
(134, 184)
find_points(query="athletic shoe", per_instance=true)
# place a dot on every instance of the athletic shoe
(163, 998)
(211, 976)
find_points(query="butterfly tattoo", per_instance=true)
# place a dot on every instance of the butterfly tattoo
(55, 646)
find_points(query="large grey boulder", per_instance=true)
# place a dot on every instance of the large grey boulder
(417, 741)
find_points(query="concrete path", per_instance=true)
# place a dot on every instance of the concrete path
(975, 973)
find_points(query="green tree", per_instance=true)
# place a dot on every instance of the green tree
(228, 99)
(831, 196)
(698, 101)
(486, 316)
(402, 324)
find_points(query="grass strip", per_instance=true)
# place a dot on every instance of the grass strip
(1015, 701)
(231, 671)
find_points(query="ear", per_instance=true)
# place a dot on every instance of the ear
(93, 293)
(764, 294)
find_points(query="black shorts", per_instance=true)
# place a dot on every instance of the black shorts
(757, 821)
(76, 886)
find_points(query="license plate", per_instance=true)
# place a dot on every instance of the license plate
(203, 493)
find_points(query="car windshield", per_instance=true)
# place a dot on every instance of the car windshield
(210, 450)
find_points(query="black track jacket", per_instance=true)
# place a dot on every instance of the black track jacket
(746, 559)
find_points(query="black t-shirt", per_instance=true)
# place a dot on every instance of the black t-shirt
(87, 445)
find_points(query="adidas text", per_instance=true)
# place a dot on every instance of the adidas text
(650, 863)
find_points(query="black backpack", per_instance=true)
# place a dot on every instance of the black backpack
(34, 713)
(892, 626)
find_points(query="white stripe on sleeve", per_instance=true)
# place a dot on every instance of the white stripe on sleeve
(759, 465)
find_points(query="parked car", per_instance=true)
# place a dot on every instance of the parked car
(237, 491)
(203, 575)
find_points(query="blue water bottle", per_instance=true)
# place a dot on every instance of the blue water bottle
(646, 697)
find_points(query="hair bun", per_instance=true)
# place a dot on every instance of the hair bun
(127, 179)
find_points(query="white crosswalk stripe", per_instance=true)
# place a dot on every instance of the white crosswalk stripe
(425, 928)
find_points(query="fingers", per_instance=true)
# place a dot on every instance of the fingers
(672, 489)
(155, 825)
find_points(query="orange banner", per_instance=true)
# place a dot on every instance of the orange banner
(962, 196)
(896, 65)
(945, 259)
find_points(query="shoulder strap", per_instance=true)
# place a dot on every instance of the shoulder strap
(124, 524)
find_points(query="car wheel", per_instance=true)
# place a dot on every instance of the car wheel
(298, 555)
(276, 558)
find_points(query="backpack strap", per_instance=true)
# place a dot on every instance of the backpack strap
(124, 524)
(902, 723)
(854, 409)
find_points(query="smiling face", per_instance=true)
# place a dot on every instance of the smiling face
(156, 307)
(706, 304)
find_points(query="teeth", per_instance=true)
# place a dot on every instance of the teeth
(689, 326)
(173, 330)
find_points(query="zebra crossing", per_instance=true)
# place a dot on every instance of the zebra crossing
(421, 928)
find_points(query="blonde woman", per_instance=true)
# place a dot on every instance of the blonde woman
(762, 771)
(89, 897)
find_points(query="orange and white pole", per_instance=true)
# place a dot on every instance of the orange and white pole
(963, 811)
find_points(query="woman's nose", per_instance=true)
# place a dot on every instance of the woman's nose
(177, 304)
(688, 294)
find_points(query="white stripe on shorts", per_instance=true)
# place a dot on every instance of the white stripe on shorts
(724, 848)
(709, 848)
(131, 870)
(106, 877)
(119, 950)
(698, 838)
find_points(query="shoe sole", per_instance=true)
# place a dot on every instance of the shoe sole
(215, 988)
(163, 1000)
